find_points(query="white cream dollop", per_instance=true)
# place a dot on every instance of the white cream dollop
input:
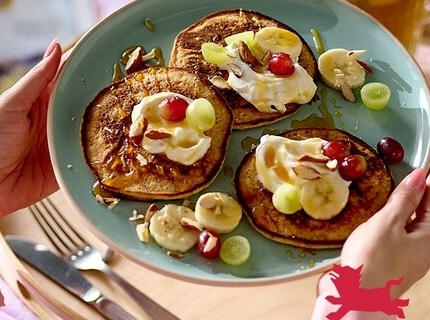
(260, 87)
(276, 156)
(266, 91)
(184, 144)
(276, 161)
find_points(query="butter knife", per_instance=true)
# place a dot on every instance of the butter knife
(64, 274)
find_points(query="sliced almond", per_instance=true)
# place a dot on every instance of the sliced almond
(142, 160)
(136, 216)
(306, 172)
(157, 135)
(111, 202)
(152, 209)
(365, 66)
(135, 62)
(190, 224)
(238, 71)
(219, 82)
(210, 243)
(332, 164)
(137, 140)
(347, 92)
(223, 197)
(175, 254)
(218, 209)
(313, 157)
(107, 129)
(247, 56)
(208, 202)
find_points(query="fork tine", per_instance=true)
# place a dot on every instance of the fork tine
(84, 257)
(58, 230)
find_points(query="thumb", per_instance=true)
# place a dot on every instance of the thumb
(406, 197)
(422, 214)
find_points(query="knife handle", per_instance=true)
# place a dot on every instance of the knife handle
(111, 310)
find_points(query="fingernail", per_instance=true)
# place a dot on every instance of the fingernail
(50, 48)
(416, 179)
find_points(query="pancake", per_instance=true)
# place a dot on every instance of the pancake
(214, 28)
(124, 167)
(368, 194)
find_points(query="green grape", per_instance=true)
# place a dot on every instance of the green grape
(286, 198)
(200, 115)
(235, 250)
(246, 37)
(375, 95)
(214, 53)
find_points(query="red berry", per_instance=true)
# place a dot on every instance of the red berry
(391, 150)
(336, 150)
(173, 109)
(209, 244)
(281, 64)
(352, 167)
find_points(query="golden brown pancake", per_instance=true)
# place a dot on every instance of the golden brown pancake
(186, 53)
(368, 194)
(113, 156)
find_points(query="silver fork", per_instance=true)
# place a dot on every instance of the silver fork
(71, 245)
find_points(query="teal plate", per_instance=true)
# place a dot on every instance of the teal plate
(89, 68)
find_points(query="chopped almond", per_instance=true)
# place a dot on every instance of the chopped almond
(208, 202)
(238, 72)
(220, 82)
(174, 254)
(135, 62)
(306, 172)
(136, 216)
(247, 56)
(313, 157)
(190, 224)
(152, 209)
(347, 92)
(156, 135)
(332, 164)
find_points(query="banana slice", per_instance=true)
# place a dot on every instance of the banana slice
(325, 197)
(276, 40)
(340, 70)
(165, 227)
(217, 211)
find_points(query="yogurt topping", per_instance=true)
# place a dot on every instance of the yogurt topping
(276, 156)
(181, 143)
(277, 162)
(260, 87)
(266, 91)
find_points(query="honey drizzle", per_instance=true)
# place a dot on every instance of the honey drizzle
(324, 120)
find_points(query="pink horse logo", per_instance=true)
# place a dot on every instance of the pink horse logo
(351, 297)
